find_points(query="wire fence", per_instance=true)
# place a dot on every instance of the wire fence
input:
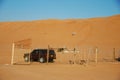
(88, 55)
(77, 55)
(19, 56)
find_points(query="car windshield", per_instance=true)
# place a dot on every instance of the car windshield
(42, 51)
(52, 52)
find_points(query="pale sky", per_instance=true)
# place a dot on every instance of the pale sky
(27, 10)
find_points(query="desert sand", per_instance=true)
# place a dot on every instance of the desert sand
(100, 71)
(94, 32)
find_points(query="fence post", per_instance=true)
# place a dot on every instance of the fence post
(96, 54)
(29, 56)
(13, 49)
(74, 55)
(88, 55)
(113, 54)
(48, 54)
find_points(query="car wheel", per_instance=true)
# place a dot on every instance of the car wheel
(26, 59)
(51, 60)
(41, 60)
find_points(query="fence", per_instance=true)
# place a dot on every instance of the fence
(19, 49)
(88, 55)
(77, 55)
(18, 55)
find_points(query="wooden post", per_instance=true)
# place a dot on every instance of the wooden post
(96, 54)
(88, 55)
(113, 54)
(29, 56)
(74, 55)
(13, 49)
(48, 54)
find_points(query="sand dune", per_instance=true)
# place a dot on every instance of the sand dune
(95, 32)
(88, 32)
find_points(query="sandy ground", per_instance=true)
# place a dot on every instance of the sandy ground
(54, 71)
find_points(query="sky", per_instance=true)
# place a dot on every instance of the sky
(28, 10)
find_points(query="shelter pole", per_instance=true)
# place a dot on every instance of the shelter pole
(13, 50)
